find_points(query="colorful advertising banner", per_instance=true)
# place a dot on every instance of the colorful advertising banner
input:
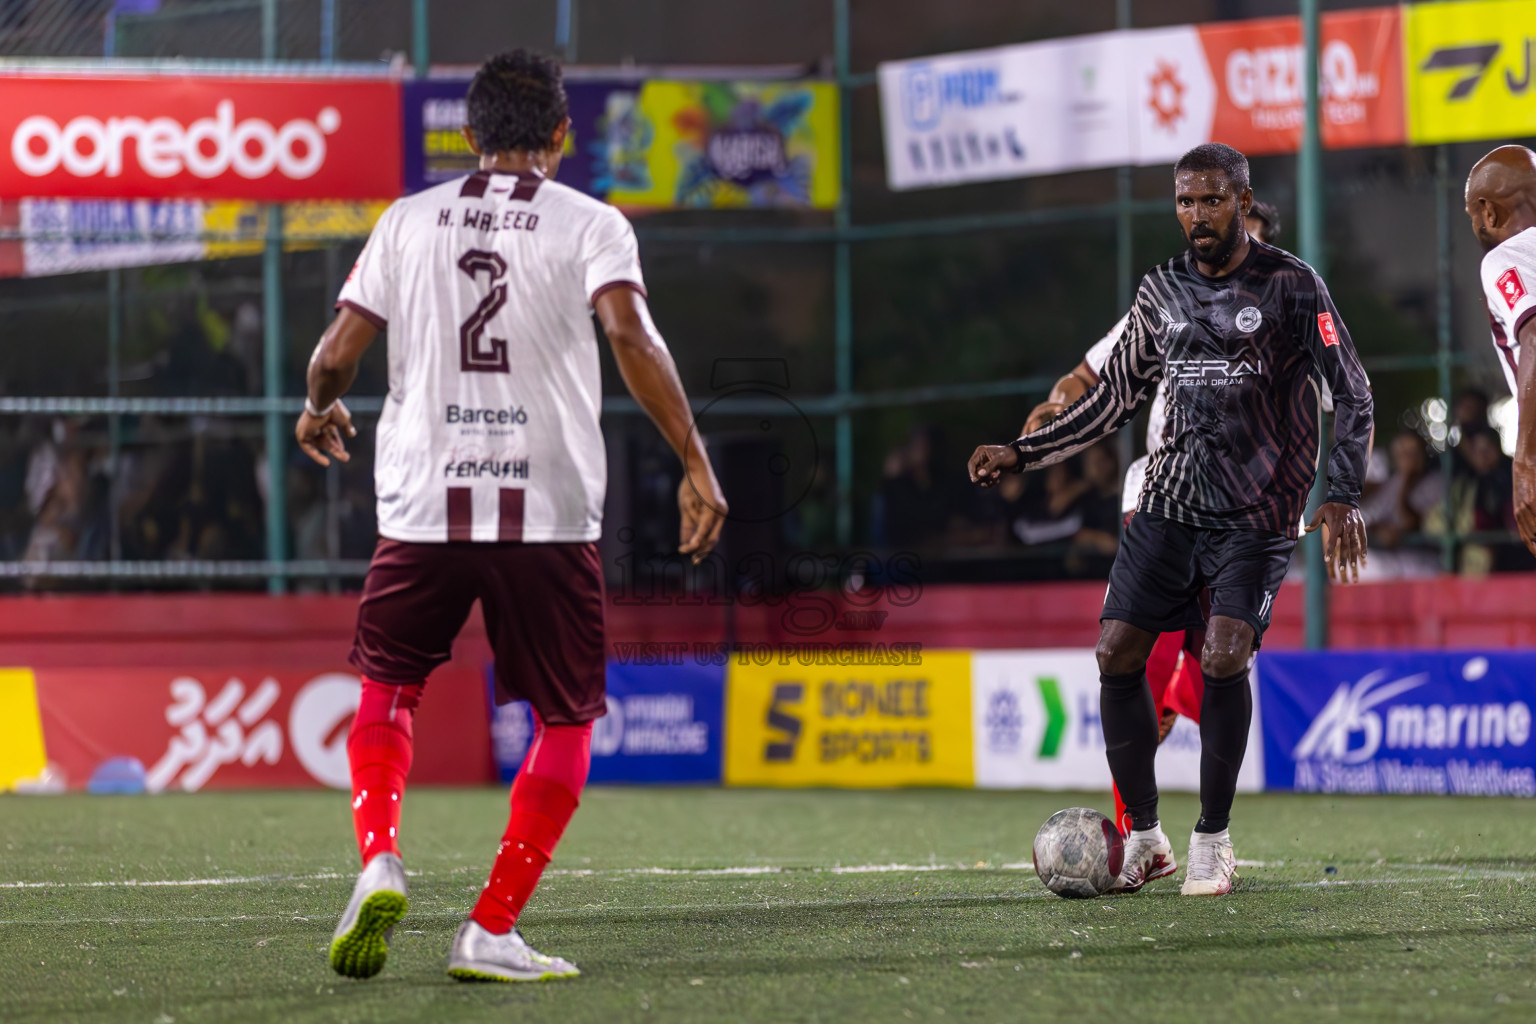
(199, 136)
(661, 144)
(664, 724)
(1399, 722)
(65, 236)
(1471, 73)
(187, 729)
(895, 724)
(1037, 726)
(1142, 97)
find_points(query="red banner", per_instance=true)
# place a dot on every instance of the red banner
(1257, 67)
(206, 137)
(217, 728)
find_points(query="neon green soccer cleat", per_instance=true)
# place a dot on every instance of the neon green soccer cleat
(359, 947)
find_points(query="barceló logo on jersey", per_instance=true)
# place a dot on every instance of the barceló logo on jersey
(1330, 332)
(1511, 287)
(207, 137)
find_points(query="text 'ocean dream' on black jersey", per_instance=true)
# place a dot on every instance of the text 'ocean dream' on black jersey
(1240, 354)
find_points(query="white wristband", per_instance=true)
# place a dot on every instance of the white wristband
(309, 407)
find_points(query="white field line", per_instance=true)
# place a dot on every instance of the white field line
(742, 870)
(1112, 903)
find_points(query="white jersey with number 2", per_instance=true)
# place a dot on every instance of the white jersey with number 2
(485, 285)
(1509, 285)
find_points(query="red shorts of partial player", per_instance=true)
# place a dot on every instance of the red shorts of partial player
(543, 608)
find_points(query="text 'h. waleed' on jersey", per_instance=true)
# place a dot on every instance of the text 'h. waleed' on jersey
(1239, 353)
(490, 431)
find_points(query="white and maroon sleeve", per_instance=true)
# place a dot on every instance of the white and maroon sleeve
(1098, 355)
(1509, 284)
(610, 255)
(371, 285)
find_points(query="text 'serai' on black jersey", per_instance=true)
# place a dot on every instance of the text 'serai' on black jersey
(1241, 354)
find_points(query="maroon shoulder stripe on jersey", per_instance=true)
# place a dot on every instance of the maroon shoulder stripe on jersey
(527, 186)
(611, 285)
(365, 313)
(510, 524)
(475, 185)
(461, 513)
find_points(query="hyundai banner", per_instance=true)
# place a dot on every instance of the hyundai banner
(199, 136)
(664, 724)
(1037, 726)
(1399, 722)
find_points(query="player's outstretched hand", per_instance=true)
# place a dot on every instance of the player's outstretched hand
(1042, 414)
(990, 461)
(1525, 502)
(1343, 540)
(320, 436)
(703, 509)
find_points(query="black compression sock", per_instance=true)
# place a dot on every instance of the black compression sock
(1129, 717)
(1225, 713)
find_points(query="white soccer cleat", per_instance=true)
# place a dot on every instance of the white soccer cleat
(360, 945)
(480, 956)
(1212, 867)
(1148, 855)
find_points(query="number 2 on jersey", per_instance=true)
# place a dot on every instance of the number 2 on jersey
(475, 356)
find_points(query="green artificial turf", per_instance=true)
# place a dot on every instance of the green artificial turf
(686, 905)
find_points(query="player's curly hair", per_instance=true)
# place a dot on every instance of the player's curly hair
(516, 102)
(1216, 156)
(1270, 217)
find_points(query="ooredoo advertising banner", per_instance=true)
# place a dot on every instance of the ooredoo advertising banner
(1441, 722)
(1472, 70)
(794, 722)
(203, 137)
(1037, 726)
(188, 729)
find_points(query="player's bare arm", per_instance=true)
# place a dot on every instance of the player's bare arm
(651, 376)
(325, 423)
(1067, 389)
(1525, 443)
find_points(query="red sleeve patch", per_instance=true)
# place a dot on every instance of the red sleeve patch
(1330, 332)
(1511, 287)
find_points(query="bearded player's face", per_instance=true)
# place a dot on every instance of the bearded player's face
(1211, 211)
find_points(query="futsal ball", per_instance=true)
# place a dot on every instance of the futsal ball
(1078, 853)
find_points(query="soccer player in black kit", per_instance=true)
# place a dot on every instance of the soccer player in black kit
(1240, 329)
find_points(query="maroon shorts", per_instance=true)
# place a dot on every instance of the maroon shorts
(543, 608)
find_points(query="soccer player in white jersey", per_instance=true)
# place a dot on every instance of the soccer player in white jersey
(490, 476)
(1173, 667)
(1501, 201)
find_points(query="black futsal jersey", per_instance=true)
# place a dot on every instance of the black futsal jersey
(1241, 355)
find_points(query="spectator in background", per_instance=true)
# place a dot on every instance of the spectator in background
(1482, 498)
(1097, 539)
(1470, 412)
(1053, 515)
(1413, 491)
(914, 500)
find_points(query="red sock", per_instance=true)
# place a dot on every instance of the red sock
(544, 797)
(379, 752)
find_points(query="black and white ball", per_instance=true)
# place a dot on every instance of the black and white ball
(1078, 853)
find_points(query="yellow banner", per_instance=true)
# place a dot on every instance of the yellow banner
(1469, 70)
(22, 754)
(789, 724)
(240, 228)
(724, 144)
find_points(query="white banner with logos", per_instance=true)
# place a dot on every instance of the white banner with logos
(1037, 726)
(1006, 113)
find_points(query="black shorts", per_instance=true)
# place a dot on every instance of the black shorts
(1162, 566)
(543, 608)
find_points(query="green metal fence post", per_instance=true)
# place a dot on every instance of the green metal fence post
(1443, 332)
(1309, 218)
(114, 421)
(275, 421)
(843, 280)
(269, 29)
(421, 49)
